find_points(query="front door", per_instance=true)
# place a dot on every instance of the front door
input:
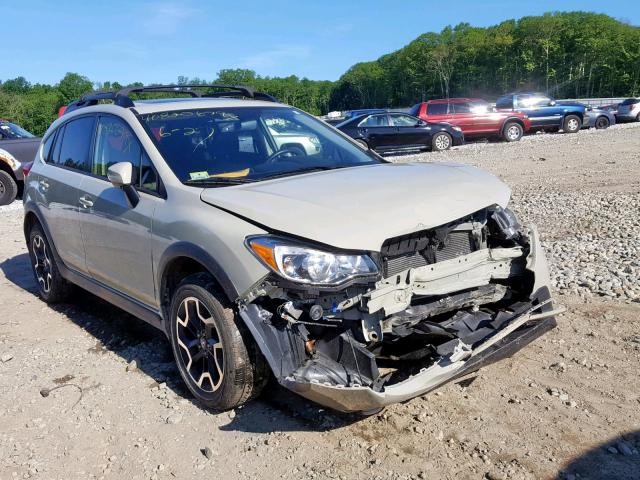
(117, 235)
(409, 132)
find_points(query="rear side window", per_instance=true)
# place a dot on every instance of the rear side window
(461, 107)
(437, 109)
(75, 144)
(504, 102)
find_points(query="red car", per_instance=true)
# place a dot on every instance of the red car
(475, 117)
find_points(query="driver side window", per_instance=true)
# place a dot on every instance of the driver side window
(115, 142)
(403, 121)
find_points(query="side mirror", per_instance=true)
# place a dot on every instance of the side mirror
(421, 123)
(120, 174)
(552, 103)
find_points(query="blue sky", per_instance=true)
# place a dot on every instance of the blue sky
(126, 40)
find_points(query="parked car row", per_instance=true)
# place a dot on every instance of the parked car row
(443, 123)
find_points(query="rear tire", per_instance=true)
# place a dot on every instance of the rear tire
(571, 124)
(441, 141)
(602, 122)
(51, 286)
(216, 356)
(8, 188)
(512, 132)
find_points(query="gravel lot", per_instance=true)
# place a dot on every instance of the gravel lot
(565, 407)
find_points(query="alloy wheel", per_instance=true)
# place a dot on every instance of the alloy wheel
(200, 344)
(442, 142)
(41, 262)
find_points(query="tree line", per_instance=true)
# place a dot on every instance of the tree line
(574, 54)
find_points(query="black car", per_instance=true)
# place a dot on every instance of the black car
(390, 132)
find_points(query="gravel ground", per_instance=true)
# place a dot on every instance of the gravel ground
(565, 407)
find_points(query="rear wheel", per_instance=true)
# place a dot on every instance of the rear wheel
(216, 356)
(51, 286)
(512, 132)
(8, 188)
(602, 122)
(572, 124)
(441, 141)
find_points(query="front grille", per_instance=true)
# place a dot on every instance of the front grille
(424, 249)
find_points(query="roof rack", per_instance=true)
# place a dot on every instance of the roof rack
(122, 97)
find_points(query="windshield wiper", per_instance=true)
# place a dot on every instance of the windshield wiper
(208, 182)
(300, 171)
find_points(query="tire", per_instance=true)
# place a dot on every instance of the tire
(51, 286)
(228, 369)
(441, 141)
(571, 124)
(512, 132)
(602, 122)
(8, 188)
(362, 143)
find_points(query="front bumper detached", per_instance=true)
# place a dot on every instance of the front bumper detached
(519, 333)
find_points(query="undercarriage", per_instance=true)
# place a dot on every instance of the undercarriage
(448, 301)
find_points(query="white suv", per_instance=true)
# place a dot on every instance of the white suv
(354, 281)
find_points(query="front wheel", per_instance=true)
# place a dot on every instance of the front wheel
(513, 132)
(441, 141)
(572, 124)
(216, 357)
(602, 122)
(8, 188)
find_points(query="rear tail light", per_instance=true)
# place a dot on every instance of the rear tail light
(26, 168)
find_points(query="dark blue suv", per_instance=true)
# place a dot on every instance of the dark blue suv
(544, 112)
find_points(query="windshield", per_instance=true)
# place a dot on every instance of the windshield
(11, 130)
(237, 145)
(631, 101)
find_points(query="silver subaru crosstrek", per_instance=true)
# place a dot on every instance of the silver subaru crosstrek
(353, 281)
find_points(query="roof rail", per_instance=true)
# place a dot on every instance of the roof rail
(122, 97)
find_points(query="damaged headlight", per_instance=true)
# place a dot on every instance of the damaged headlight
(302, 264)
(506, 222)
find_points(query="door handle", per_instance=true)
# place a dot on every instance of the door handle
(85, 201)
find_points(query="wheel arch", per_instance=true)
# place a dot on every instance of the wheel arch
(183, 259)
(5, 167)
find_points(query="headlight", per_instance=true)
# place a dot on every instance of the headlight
(457, 129)
(506, 221)
(303, 264)
(13, 162)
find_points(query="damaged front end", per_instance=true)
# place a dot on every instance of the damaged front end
(392, 325)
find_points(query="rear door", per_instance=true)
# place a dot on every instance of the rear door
(117, 235)
(58, 188)
(437, 112)
(376, 129)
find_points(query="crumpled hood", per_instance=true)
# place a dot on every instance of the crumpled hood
(358, 208)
